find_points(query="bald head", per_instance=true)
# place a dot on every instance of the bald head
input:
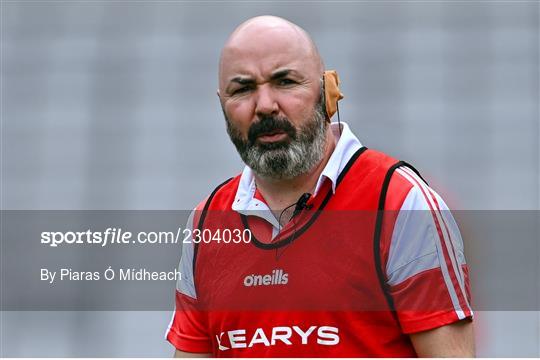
(268, 40)
(270, 91)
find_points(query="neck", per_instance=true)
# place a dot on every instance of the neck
(280, 193)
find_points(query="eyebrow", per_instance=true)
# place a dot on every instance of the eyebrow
(280, 74)
(243, 80)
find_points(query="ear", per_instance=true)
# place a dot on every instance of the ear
(332, 93)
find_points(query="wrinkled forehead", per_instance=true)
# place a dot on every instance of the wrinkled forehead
(258, 54)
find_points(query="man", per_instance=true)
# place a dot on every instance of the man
(320, 272)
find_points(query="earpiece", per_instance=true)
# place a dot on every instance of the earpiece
(332, 93)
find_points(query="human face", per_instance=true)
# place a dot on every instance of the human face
(270, 95)
(297, 154)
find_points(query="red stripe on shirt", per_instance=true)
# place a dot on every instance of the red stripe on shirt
(465, 307)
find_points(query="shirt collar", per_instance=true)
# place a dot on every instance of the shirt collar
(347, 144)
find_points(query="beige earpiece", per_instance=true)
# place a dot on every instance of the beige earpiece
(331, 92)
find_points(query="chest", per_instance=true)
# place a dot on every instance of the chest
(321, 264)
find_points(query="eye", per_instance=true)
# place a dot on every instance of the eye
(285, 82)
(241, 90)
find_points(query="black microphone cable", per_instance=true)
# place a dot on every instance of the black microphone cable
(300, 205)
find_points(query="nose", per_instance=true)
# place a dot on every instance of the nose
(266, 101)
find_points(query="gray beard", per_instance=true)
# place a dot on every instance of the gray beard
(290, 160)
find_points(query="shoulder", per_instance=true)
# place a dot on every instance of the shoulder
(222, 196)
(397, 183)
(409, 191)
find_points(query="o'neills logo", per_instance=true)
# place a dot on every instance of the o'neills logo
(277, 277)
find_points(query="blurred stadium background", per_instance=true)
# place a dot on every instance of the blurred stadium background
(112, 105)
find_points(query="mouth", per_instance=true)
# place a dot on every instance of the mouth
(273, 136)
